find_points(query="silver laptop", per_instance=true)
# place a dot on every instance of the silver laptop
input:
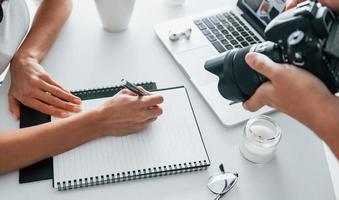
(214, 32)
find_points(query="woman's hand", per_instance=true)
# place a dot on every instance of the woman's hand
(127, 113)
(291, 90)
(32, 86)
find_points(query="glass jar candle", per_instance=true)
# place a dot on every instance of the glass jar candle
(260, 139)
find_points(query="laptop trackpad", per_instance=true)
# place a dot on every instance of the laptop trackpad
(193, 61)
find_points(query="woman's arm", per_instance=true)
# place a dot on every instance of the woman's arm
(31, 85)
(299, 94)
(48, 21)
(123, 114)
(22, 147)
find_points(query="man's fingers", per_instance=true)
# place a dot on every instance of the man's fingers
(44, 108)
(57, 92)
(259, 99)
(262, 64)
(56, 102)
(14, 106)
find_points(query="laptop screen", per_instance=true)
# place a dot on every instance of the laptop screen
(263, 10)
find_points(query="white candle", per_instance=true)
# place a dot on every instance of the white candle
(262, 132)
(260, 141)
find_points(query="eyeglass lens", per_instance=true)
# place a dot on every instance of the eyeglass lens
(221, 183)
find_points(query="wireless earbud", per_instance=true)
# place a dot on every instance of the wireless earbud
(174, 36)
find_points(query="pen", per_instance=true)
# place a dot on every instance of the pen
(133, 88)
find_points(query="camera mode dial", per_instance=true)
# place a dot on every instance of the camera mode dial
(294, 40)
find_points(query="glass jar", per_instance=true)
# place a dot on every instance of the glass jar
(260, 139)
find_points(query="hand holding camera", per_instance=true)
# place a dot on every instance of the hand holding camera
(284, 90)
(305, 42)
(288, 89)
(287, 84)
(304, 36)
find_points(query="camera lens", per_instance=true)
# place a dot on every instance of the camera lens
(246, 78)
(222, 66)
(237, 80)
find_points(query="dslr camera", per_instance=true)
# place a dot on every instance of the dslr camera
(306, 36)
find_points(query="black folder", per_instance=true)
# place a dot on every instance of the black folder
(44, 169)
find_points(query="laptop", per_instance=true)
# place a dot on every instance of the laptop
(212, 33)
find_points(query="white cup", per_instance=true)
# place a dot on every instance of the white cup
(115, 14)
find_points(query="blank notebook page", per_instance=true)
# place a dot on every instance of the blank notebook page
(174, 138)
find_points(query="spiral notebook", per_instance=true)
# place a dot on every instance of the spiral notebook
(170, 145)
(44, 169)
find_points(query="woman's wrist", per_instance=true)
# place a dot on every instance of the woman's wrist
(91, 121)
(21, 60)
(100, 121)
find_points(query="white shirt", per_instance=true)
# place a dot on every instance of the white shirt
(13, 29)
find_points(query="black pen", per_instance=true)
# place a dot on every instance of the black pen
(133, 88)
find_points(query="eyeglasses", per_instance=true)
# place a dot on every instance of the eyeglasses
(222, 183)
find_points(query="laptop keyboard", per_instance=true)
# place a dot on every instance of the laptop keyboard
(226, 31)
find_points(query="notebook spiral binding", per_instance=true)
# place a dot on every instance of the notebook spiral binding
(109, 91)
(133, 175)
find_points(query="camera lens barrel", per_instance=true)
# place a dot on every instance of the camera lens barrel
(247, 79)
(222, 66)
(214, 65)
(237, 80)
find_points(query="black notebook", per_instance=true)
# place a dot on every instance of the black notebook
(44, 169)
(170, 145)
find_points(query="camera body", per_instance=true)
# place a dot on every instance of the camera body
(306, 36)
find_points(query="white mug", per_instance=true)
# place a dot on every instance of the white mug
(115, 14)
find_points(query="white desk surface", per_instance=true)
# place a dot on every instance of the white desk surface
(85, 56)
